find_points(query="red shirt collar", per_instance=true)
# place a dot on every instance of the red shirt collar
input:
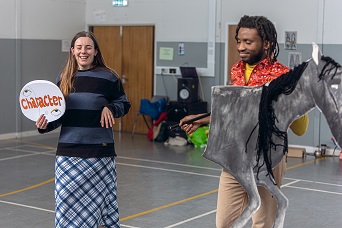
(262, 73)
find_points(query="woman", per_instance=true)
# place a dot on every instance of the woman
(85, 172)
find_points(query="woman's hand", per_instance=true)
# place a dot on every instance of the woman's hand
(42, 122)
(107, 118)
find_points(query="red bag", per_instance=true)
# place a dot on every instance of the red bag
(156, 123)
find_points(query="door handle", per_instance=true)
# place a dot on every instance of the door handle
(123, 79)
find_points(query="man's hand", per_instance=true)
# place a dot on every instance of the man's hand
(192, 127)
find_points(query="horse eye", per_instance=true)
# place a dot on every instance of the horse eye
(334, 86)
(335, 83)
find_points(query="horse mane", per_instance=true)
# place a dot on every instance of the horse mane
(284, 84)
(326, 70)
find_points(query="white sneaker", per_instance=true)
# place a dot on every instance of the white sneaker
(176, 141)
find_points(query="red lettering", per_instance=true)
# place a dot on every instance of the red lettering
(32, 104)
(22, 103)
(50, 100)
(46, 100)
(41, 102)
(59, 101)
(55, 100)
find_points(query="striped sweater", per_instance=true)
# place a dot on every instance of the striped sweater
(81, 132)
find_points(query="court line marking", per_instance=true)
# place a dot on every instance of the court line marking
(315, 182)
(46, 210)
(24, 145)
(169, 163)
(139, 166)
(27, 206)
(184, 200)
(168, 205)
(285, 185)
(169, 170)
(122, 157)
(31, 143)
(305, 163)
(122, 225)
(28, 188)
(26, 155)
(293, 182)
(15, 157)
(12, 147)
(31, 151)
(162, 207)
(191, 219)
(125, 164)
(315, 190)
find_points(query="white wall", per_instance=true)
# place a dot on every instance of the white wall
(332, 20)
(290, 15)
(41, 19)
(175, 20)
(187, 20)
(7, 19)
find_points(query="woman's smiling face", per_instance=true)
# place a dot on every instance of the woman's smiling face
(84, 52)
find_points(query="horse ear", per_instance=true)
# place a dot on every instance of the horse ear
(316, 53)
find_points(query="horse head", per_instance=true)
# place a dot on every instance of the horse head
(327, 90)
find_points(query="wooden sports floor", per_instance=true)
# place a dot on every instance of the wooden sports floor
(159, 186)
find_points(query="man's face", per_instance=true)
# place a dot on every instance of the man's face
(250, 46)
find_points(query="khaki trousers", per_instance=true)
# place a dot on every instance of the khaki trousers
(232, 199)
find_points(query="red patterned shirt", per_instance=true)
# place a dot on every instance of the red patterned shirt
(262, 73)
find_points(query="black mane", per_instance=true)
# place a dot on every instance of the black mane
(326, 71)
(285, 84)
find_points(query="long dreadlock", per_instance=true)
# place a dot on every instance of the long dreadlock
(266, 31)
(285, 84)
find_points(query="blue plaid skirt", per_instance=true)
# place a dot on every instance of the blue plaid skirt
(85, 192)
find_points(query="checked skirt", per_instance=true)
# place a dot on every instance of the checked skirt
(85, 192)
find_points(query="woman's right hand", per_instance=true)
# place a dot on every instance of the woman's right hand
(42, 122)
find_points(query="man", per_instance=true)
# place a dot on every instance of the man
(258, 48)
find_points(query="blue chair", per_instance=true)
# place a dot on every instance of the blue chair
(151, 108)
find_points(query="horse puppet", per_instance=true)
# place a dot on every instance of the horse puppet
(248, 128)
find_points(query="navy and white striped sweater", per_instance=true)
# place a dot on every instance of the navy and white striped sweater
(81, 132)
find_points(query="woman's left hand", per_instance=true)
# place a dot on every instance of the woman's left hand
(107, 118)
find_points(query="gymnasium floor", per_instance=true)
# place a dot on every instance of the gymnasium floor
(159, 186)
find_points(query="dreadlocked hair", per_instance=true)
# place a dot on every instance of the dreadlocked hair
(266, 31)
(285, 84)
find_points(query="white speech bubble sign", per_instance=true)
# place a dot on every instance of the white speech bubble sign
(42, 97)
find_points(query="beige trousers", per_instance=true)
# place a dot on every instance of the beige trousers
(232, 199)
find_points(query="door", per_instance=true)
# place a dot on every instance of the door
(233, 54)
(129, 50)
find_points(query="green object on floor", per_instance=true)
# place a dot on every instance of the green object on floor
(200, 137)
